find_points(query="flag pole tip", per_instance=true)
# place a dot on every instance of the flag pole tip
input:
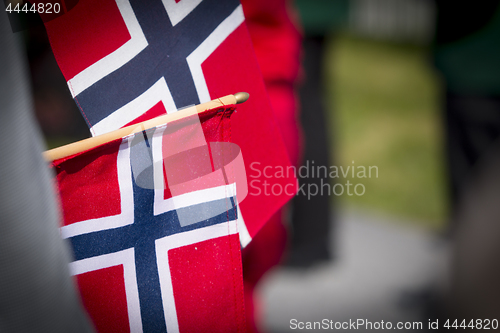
(241, 97)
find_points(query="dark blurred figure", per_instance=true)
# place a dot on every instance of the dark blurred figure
(37, 293)
(467, 53)
(311, 218)
(475, 288)
(55, 109)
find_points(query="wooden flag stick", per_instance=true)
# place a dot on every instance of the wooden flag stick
(86, 144)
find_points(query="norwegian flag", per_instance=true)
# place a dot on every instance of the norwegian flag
(142, 263)
(147, 260)
(130, 60)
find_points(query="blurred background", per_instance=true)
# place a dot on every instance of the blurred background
(389, 254)
(382, 95)
(409, 87)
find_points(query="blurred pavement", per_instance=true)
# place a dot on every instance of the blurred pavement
(385, 271)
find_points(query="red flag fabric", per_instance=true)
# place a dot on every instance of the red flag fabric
(156, 246)
(127, 61)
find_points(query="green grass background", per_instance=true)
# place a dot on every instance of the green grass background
(383, 101)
